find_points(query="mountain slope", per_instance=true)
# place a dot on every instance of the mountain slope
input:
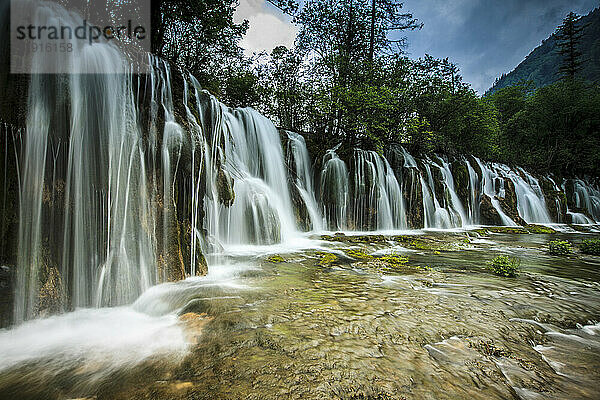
(542, 64)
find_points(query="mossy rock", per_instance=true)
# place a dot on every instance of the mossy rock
(540, 229)
(358, 255)
(327, 259)
(275, 259)
(514, 230)
(435, 245)
(354, 239)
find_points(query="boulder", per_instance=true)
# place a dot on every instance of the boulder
(413, 198)
(461, 181)
(489, 215)
(225, 188)
(509, 202)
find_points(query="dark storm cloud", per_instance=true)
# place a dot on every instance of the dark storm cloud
(484, 37)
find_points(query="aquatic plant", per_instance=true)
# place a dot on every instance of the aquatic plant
(560, 248)
(590, 246)
(505, 266)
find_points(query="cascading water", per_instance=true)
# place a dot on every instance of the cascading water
(303, 178)
(378, 201)
(489, 179)
(530, 199)
(121, 192)
(262, 210)
(584, 197)
(107, 254)
(475, 190)
(334, 191)
(455, 205)
(436, 216)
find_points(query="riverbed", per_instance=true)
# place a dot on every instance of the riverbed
(391, 315)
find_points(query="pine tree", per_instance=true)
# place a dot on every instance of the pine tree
(569, 35)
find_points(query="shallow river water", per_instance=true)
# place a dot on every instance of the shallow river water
(327, 317)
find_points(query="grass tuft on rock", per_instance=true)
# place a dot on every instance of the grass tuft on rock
(590, 246)
(505, 266)
(560, 248)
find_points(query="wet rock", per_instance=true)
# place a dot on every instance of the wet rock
(489, 215)
(225, 188)
(300, 209)
(461, 180)
(6, 304)
(193, 325)
(556, 200)
(509, 202)
(413, 198)
(50, 294)
(438, 184)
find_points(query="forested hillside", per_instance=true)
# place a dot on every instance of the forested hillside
(542, 65)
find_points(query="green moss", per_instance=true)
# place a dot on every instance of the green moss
(590, 246)
(540, 229)
(276, 259)
(516, 230)
(354, 238)
(327, 259)
(560, 248)
(358, 255)
(394, 259)
(505, 266)
(389, 263)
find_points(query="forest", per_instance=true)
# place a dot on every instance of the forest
(346, 81)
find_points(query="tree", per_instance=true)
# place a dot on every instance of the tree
(199, 36)
(569, 35)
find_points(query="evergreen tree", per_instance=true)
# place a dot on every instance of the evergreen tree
(569, 35)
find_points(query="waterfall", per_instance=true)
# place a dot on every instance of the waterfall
(456, 205)
(334, 191)
(440, 217)
(262, 210)
(378, 201)
(585, 197)
(113, 176)
(96, 161)
(489, 178)
(475, 190)
(303, 178)
(530, 199)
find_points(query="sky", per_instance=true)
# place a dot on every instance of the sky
(484, 37)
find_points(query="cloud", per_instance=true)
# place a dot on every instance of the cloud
(486, 38)
(269, 27)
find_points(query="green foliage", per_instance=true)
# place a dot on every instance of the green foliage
(590, 246)
(199, 36)
(556, 129)
(560, 248)
(242, 90)
(505, 266)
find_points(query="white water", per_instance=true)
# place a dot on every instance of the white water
(304, 181)
(334, 191)
(378, 201)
